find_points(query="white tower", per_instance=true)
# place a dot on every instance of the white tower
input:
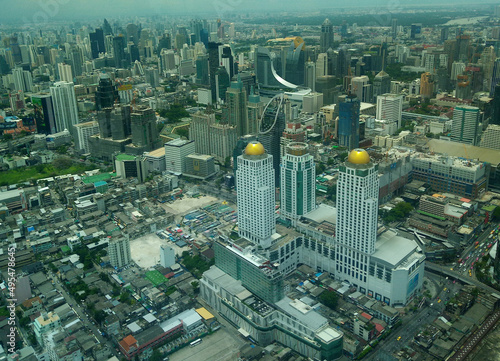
(357, 210)
(390, 107)
(256, 199)
(298, 182)
(65, 107)
(119, 252)
(167, 256)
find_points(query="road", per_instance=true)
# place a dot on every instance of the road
(81, 313)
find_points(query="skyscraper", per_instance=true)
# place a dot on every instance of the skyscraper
(426, 85)
(381, 84)
(119, 51)
(255, 108)
(348, 127)
(143, 128)
(65, 108)
(255, 198)
(357, 213)
(44, 114)
(326, 36)
(298, 182)
(119, 251)
(390, 107)
(65, 72)
(465, 127)
(236, 110)
(106, 94)
(310, 75)
(213, 64)
(97, 43)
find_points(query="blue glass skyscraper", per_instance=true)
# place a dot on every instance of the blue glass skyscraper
(349, 122)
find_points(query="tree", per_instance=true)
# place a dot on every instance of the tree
(329, 299)
(196, 287)
(156, 355)
(496, 213)
(62, 149)
(62, 163)
(7, 137)
(183, 132)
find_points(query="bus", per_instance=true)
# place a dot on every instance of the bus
(195, 342)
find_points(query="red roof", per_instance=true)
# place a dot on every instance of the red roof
(367, 316)
(128, 342)
(379, 327)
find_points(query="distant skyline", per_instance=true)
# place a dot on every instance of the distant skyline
(32, 11)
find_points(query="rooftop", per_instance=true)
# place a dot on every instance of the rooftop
(392, 249)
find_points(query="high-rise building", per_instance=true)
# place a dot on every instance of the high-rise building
(65, 72)
(167, 256)
(426, 85)
(119, 251)
(106, 94)
(83, 132)
(310, 75)
(76, 60)
(143, 128)
(465, 127)
(202, 76)
(298, 182)
(167, 60)
(293, 133)
(255, 198)
(121, 60)
(199, 131)
(222, 83)
(322, 65)
(381, 84)
(357, 86)
(390, 107)
(176, 152)
(255, 109)
(44, 114)
(326, 36)
(236, 113)
(213, 64)
(65, 107)
(348, 126)
(97, 43)
(491, 137)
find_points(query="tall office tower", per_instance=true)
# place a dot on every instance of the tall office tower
(488, 57)
(236, 110)
(272, 125)
(394, 28)
(222, 83)
(310, 75)
(326, 36)
(165, 42)
(390, 107)
(167, 60)
(76, 59)
(202, 73)
(43, 110)
(465, 127)
(65, 107)
(348, 128)
(357, 212)
(199, 131)
(16, 100)
(119, 251)
(65, 72)
(133, 53)
(495, 117)
(97, 43)
(226, 59)
(83, 132)
(213, 65)
(357, 84)
(180, 40)
(295, 61)
(119, 52)
(255, 108)
(255, 198)
(153, 77)
(114, 122)
(416, 31)
(298, 182)
(381, 84)
(462, 48)
(495, 76)
(106, 94)
(133, 33)
(106, 28)
(176, 152)
(426, 85)
(457, 69)
(322, 65)
(143, 128)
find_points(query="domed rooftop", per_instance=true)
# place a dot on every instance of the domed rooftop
(254, 148)
(358, 156)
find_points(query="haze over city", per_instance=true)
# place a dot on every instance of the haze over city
(231, 180)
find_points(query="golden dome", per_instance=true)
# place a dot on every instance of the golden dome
(254, 148)
(358, 156)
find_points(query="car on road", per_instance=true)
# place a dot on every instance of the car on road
(399, 338)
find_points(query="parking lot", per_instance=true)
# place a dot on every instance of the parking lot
(219, 346)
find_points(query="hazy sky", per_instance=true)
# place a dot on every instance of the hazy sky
(33, 11)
